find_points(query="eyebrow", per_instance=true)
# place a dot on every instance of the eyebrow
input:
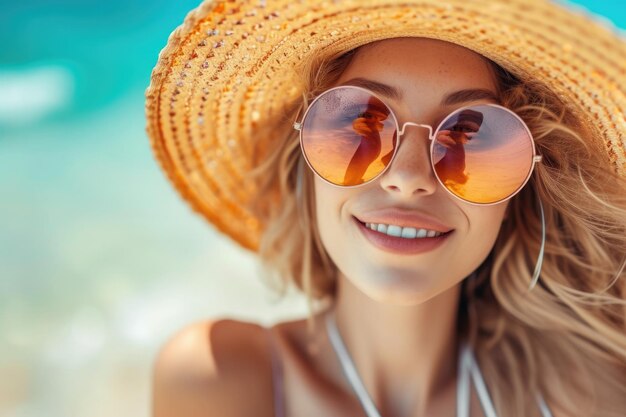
(456, 97)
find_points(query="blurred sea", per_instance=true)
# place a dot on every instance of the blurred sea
(100, 261)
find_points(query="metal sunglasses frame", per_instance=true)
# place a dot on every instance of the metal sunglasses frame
(431, 136)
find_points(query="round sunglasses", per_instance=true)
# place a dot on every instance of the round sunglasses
(482, 154)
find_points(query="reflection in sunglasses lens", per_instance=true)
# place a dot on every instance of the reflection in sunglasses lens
(482, 154)
(348, 136)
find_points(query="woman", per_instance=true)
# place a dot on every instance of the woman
(496, 169)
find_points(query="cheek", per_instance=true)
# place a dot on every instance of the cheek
(484, 226)
(336, 229)
(328, 203)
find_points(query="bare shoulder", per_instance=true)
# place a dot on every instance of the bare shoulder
(207, 367)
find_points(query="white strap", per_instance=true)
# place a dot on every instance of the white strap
(351, 373)
(463, 383)
(481, 388)
(467, 366)
(545, 411)
(349, 369)
(483, 393)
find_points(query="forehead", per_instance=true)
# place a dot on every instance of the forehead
(421, 68)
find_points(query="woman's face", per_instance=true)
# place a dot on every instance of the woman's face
(424, 72)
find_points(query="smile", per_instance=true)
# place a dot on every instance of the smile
(403, 232)
(401, 240)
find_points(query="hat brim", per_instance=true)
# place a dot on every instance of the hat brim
(232, 67)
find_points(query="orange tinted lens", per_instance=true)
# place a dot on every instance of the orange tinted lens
(483, 154)
(348, 136)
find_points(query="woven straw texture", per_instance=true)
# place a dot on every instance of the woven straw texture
(230, 68)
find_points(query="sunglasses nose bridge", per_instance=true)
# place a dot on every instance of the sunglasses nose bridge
(404, 126)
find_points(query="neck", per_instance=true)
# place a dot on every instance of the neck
(406, 356)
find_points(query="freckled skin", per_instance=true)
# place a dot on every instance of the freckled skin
(425, 71)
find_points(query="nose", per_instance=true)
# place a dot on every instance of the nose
(410, 172)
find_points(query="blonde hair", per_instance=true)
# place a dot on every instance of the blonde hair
(567, 337)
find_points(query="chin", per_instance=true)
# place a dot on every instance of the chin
(399, 288)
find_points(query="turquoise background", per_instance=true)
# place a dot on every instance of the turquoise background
(108, 48)
(99, 259)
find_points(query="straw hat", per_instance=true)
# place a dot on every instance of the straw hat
(231, 67)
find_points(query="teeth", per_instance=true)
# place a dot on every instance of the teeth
(393, 230)
(405, 232)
